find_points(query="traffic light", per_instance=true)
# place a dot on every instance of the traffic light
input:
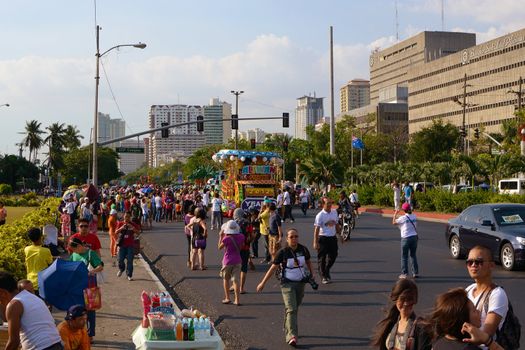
(235, 122)
(476, 133)
(165, 133)
(252, 142)
(285, 146)
(200, 123)
(286, 120)
(462, 131)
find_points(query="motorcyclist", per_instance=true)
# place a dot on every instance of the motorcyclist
(344, 203)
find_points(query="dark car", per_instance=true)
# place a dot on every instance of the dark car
(499, 226)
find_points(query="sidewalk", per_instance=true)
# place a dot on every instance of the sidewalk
(121, 309)
(421, 215)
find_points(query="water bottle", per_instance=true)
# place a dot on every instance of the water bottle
(207, 328)
(198, 329)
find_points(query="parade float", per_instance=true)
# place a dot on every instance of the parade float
(248, 176)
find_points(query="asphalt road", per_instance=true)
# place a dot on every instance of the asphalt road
(341, 315)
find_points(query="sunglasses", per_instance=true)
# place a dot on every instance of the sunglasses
(472, 262)
(294, 236)
(83, 226)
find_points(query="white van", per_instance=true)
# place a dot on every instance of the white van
(512, 186)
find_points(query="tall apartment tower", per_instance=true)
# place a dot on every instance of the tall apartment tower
(355, 94)
(182, 141)
(226, 125)
(215, 131)
(109, 129)
(309, 111)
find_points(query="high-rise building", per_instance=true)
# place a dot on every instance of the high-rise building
(257, 134)
(109, 129)
(183, 139)
(226, 125)
(355, 94)
(309, 111)
(214, 131)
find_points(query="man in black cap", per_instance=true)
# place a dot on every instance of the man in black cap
(73, 330)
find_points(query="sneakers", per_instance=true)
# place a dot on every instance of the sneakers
(415, 275)
(292, 221)
(325, 281)
(292, 341)
(130, 278)
(119, 273)
(403, 276)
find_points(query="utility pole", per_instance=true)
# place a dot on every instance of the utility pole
(237, 93)
(464, 104)
(332, 117)
(518, 93)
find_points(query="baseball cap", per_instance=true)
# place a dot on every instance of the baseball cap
(406, 207)
(238, 214)
(232, 228)
(75, 311)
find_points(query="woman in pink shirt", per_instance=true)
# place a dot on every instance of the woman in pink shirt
(231, 240)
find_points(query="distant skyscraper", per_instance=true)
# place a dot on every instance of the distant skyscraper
(129, 162)
(214, 131)
(309, 111)
(257, 134)
(355, 94)
(109, 129)
(226, 125)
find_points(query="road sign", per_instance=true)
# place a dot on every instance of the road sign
(253, 202)
(130, 149)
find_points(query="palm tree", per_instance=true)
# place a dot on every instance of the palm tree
(72, 137)
(33, 140)
(56, 140)
(322, 169)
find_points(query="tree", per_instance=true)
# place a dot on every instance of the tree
(14, 169)
(55, 140)
(76, 163)
(72, 137)
(322, 169)
(33, 139)
(202, 157)
(434, 143)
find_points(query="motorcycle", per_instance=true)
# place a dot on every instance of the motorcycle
(347, 222)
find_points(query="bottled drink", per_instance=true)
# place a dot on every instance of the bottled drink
(155, 300)
(191, 330)
(178, 329)
(185, 330)
(206, 328)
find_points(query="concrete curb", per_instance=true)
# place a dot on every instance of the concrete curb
(423, 216)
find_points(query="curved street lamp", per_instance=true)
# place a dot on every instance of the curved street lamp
(97, 78)
(5, 104)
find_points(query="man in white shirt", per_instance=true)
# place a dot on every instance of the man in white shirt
(325, 240)
(287, 203)
(488, 297)
(158, 207)
(279, 203)
(30, 324)
(305, 200)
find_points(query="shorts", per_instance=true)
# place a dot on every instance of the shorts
(274, 244)
(245, 257)
(229, 272)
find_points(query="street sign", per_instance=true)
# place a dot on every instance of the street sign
(253, 202)
(130, 149)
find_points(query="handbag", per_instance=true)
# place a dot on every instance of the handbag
(92, 296)
(101, 277)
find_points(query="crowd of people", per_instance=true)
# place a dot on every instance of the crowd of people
(479, 310)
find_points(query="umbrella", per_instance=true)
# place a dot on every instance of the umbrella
(92, 193)
(75, 192)
(62, 284)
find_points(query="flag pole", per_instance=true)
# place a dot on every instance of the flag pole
(352, 158)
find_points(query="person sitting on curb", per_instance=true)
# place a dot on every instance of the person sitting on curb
(73, 330)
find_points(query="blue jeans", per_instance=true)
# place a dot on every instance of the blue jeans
(126, 253)
(158, 213)
(409, 247)
(91, 322)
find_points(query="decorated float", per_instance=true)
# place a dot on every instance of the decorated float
(248, 176)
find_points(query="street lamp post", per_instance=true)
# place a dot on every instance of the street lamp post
(97, 78)
(237, 93)
(5, 104)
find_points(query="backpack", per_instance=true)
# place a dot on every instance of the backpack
(510, 333)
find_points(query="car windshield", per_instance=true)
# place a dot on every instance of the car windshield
(507, 216)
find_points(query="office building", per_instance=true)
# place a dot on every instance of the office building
(309, 111)
(109, 129)
(226, 125)
(389, 67)
(355, 94)
(489, 70)
(129, 162)
(215, 131)
(257, 134)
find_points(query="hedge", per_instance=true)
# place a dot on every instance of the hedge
(29, 199)
(13, 237)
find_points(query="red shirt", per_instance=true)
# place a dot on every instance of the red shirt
(90, 240)
(129, 237)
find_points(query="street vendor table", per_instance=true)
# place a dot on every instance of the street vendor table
(141, 343)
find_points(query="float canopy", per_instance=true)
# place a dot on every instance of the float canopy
(247, 154)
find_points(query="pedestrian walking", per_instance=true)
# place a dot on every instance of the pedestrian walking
(304, 198)
(199, 234)
(231, 239)
(264, 219)
(408, 191)
(126, 230)
(287, 204)
(326, 227)
(216, 212)
(407, 226)
(293, 259)
(275, 232)
(399, 329)
(397, 195)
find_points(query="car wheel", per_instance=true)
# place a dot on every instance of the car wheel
(455, 247)
(507, 257)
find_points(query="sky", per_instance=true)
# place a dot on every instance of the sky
(274, 50)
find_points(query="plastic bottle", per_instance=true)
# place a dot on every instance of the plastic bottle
(185, 330)
(191, 330)
(178, 330)
(206, 328)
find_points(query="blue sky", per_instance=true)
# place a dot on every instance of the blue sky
(274, 50)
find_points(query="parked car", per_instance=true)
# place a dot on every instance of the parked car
(453, 188)
(422, 186)
(498, 226)
(512, 186)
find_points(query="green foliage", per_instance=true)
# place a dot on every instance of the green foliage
(5, 189)
(13, 237)
(434, 143)
(15, 170)
(76, 164)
